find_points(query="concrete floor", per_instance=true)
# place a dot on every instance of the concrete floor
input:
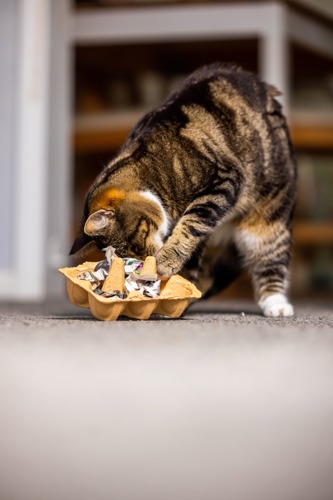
(220, 404)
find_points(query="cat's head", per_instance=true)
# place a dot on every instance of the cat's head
(133, 222)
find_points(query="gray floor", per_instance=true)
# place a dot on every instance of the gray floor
(220, 404)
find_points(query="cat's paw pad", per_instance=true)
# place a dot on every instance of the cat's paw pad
(276, 306)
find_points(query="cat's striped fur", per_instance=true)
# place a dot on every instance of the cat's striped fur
(206, 182)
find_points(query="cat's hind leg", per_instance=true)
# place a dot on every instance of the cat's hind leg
(216, 274)
(216, 263)
(266, 250)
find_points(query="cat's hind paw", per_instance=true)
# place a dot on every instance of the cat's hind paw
(276, 305)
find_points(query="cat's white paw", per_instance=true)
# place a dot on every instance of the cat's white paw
(276, 305)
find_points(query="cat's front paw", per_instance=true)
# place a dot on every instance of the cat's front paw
(276, 305)
(167, 263)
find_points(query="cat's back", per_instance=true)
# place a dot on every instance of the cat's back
(218, 88)
(218, 81)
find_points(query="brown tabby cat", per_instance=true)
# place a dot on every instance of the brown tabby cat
(207, 183)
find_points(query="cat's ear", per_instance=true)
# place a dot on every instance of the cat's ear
(95, 224)
(81, 242)
(98, 221)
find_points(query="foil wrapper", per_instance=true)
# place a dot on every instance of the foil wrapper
(148, 285)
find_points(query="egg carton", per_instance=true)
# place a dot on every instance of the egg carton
(176, 293)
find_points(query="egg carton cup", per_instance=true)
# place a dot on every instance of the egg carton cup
(176, 293)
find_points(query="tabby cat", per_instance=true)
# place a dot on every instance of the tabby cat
(206, 183)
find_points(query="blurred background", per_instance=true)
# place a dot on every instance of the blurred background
(75, 76)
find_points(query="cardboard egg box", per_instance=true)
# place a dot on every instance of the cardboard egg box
(176, 293)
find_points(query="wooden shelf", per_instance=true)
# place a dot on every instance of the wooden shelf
(99, 141)
(102, 132)
(312, 137)
(108, 131)
(312, 130)
(313, 233)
